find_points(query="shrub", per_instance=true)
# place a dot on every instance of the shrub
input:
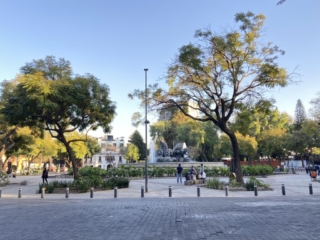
(249, 185)
(3, 178)
(117, 182)
(83, 186)
(236, 184)
(256, 170)
(214, 183)
(50, 187)
(40, 187)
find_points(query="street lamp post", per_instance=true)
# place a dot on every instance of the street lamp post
(146, 130)
(315, 140)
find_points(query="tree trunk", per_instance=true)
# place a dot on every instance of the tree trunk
(28, 168)
(4, 163)
(72, 157)
(235, 162)
(2, 152)
(204, 155)
(269, 161)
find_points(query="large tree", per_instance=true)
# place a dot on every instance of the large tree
(272, 143)
(299, 115)
(137, 140)
(222, 70)
(46, 95)
(132, 153)
(8, 132)
(315, 107)
(253, 119)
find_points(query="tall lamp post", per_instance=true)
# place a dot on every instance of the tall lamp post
(146, 126)
(315, 139)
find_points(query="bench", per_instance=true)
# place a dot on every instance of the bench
(193, 182)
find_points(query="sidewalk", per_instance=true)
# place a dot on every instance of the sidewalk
(295, 185)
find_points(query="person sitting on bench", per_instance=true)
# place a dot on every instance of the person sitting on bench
(187, 176)
(203, 176)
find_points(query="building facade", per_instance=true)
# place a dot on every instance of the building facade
(104, 160)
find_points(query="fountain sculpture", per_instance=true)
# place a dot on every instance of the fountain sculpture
(178, 154)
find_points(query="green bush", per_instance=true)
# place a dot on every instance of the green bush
(214, 183)
(236, 184)
(117, 182)
(50, 187)
(256, 170)
(3, 178)
(92, 171)
(249, 185)
(83, 186)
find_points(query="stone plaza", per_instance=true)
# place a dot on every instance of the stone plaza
(241, 215)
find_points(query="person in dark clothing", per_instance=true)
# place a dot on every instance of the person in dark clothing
(44, 175)
(179, 173)
(187, 176)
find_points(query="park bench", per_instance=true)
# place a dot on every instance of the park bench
(193, 182)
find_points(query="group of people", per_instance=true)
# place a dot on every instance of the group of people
(191, 175)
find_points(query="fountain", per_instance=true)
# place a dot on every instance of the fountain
(178, 154)
(162, 156)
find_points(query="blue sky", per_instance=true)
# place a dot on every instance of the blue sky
(116, 40)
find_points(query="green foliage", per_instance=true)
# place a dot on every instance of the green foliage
(137, 140)
(315, 108)
(118, 182)
(50, 187)
(92, 171)
(272, 143)
(132, 153)
(299, 115)
(214, 183)
(69, 103)
(92, 147)
(51, 68)
(249, 185)
(235, 184)
(84, 184)
(3, 178)
(95, 175)
(255, 170)
(219, 72)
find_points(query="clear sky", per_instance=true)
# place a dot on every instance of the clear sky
(116, 40)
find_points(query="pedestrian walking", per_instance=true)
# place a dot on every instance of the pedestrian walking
(44, 175)
(179, 173)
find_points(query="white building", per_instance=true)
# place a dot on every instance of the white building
(109, 141)
(103, 159)
(110, 153)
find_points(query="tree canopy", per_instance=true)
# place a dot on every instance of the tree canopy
(137, 140)
(299, 114)
(132, 153)
(220, 71)
(47, 96)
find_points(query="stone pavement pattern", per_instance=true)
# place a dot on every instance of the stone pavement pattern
(280, 217)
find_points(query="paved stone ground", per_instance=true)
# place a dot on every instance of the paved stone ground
(277, 217)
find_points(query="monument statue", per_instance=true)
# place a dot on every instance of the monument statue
(178, 154)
